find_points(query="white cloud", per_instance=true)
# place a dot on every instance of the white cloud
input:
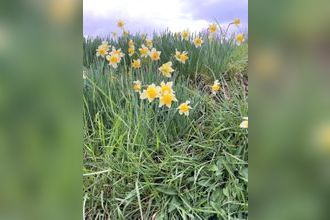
(157, 14)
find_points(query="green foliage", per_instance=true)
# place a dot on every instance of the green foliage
(146, 162)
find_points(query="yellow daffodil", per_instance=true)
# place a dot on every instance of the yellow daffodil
(151, 93)
(198, 42)
(215, 87)
(149, 43)
(213, 28)
(166, 69)
(167, 99)
(120, 24)
(245, 123)
(144, 51)
(131, 43)
(237, 21)
(154, 54)
(240, 38)
(131, 51)
(185, 35)
(181, 57)
(136, 64)
(137, 86)
(113, 59)
(103, 49)
(117, 52)
(166, 87)
(125, 33)
(184, 108)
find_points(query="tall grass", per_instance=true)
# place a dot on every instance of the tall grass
(146, 162)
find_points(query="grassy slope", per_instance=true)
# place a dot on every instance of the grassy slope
(141, 161)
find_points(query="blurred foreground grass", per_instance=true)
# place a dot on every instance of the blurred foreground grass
(290, 110)
(40, 110)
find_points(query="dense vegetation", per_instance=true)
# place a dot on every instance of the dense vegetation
(146, 162)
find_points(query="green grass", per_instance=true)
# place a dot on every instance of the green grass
(146, 162)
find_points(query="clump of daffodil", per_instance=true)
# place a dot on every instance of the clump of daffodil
(184, 108)
(237, 21)
(137, 86)
(144, 51)
(185, 35)
(181, 56)
(136, 64)
(215, 87)
(113, 59)
(154, 54)
(166, 99)
(151, 93)
(149, 43)
(198, 42)
(213, 28)
(103, 49)
(166, 87)
(245, 123)
(120, 24)
(240, 38)
(166, 69)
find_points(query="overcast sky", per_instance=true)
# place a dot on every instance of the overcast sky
(100, 16)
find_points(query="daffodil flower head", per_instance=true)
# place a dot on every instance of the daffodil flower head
(131, 51)
(167, 99)
(237, 21)
(240, 38)
(130, 43)
(245, 123)
(113, 59)
(166, 87)
(213, 28)
(181, 57)
(125, 33)
(144, 51)
(149, 43)
(151, 93)
(137, 86)
(120, 24)
(215, 87)
(185, 35)
(198, 42)
(154, 54)
(117, 52)
(166, 69)
(136, 64)
(184, 108)
(103, 49)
